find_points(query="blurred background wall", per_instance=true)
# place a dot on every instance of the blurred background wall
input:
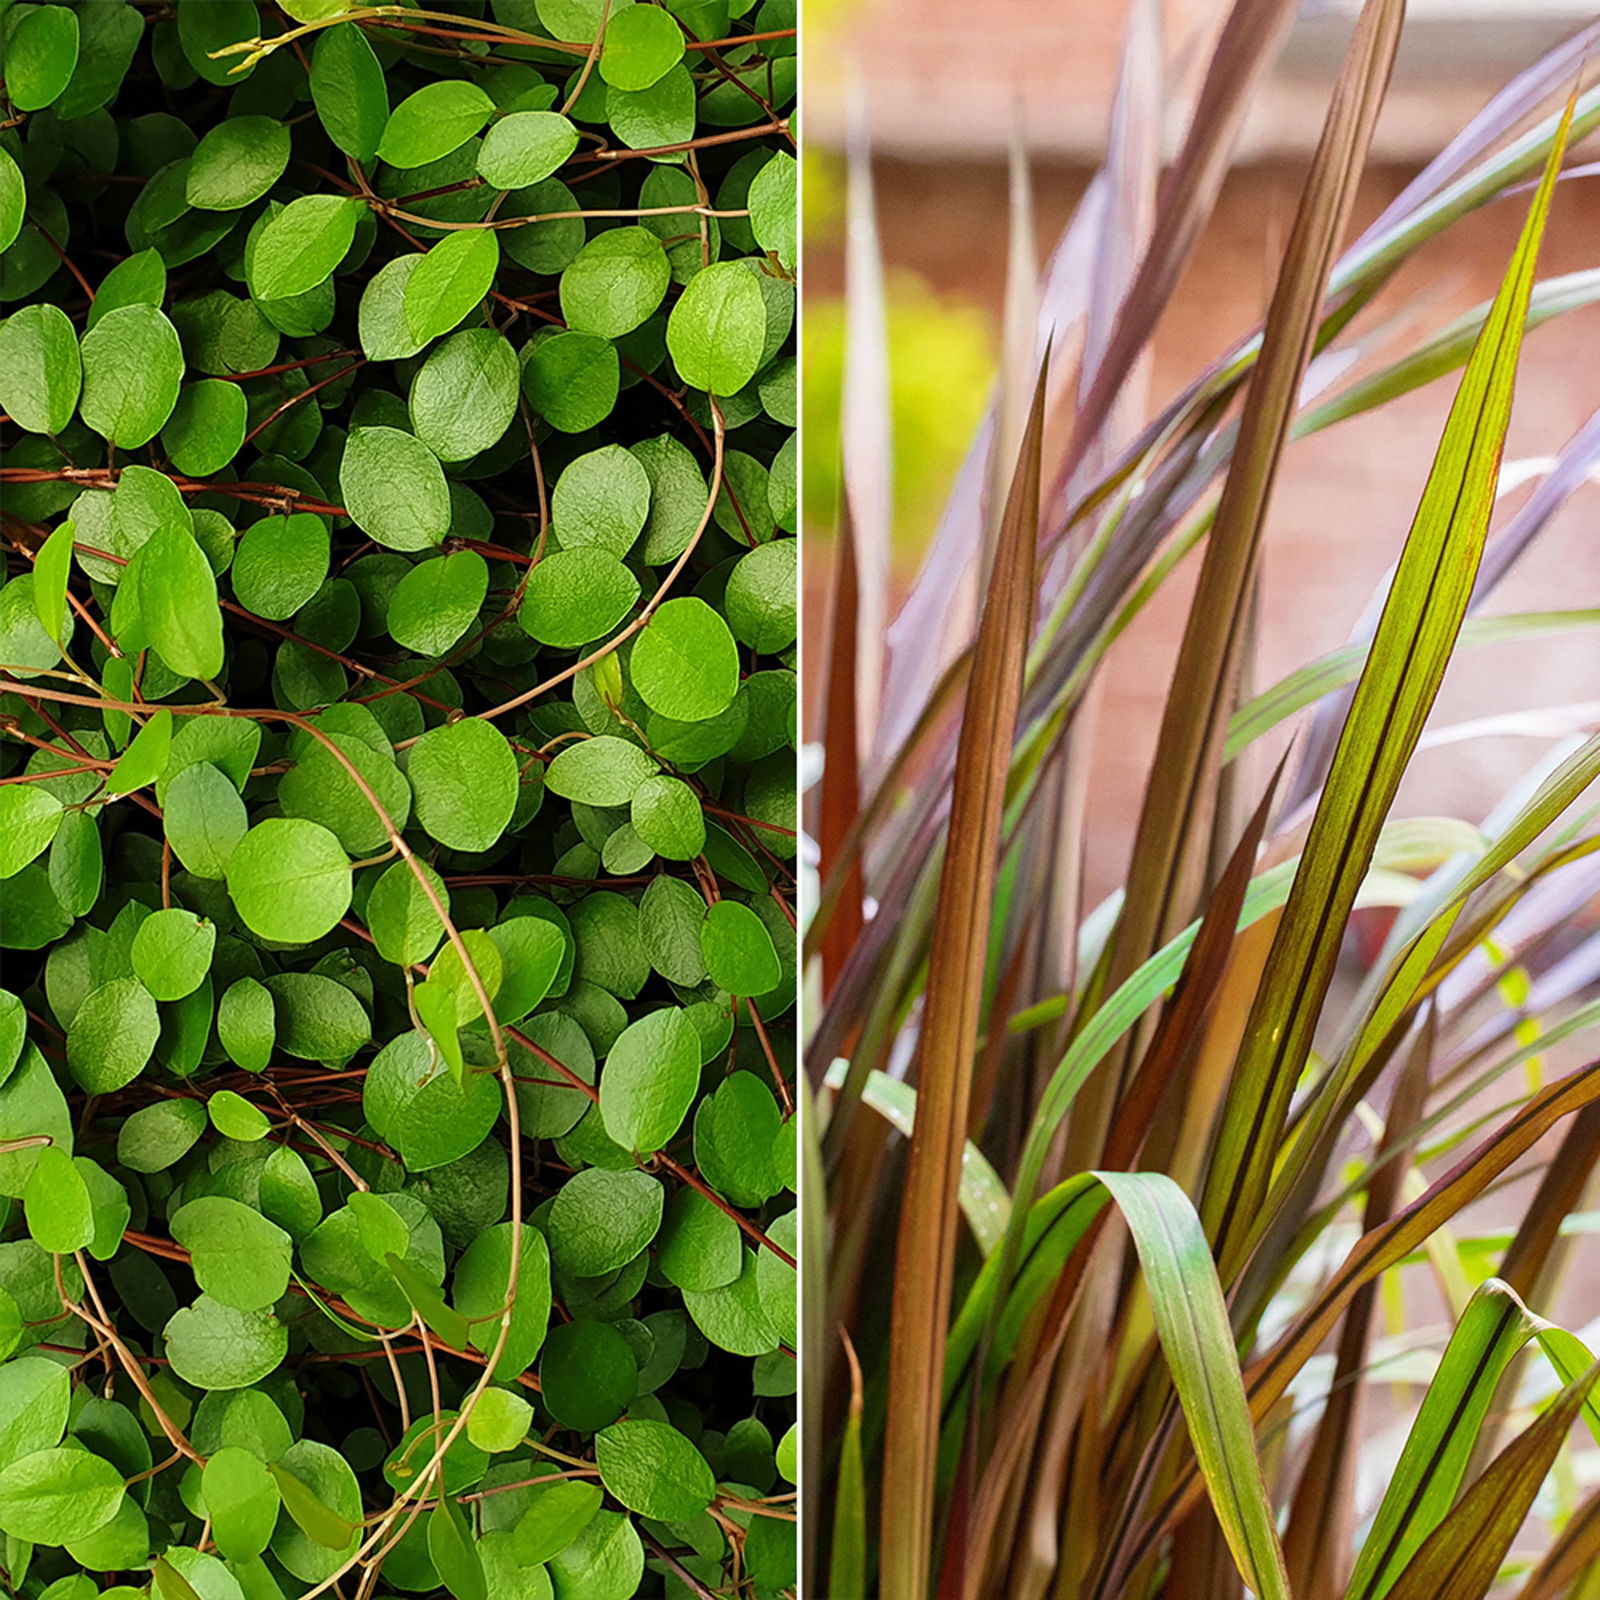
(944, 79)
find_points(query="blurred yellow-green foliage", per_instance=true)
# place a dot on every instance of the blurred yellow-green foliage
(941, 364)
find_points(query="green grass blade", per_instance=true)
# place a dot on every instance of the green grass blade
(1494, 1327)
(1192, 1321)
(1411, 649)
(847, 1566)
(1462, 1558)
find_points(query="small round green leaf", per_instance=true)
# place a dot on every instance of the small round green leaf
(464, 777)
(601, 1220)
(685, 663)
(649, 1080)
(525, 148)
(718, 329)
(302, 245)
(236, 163)
(41, 373)
(615, 282)
(214, 1346)
(436, 119)
(290, 880)
(437, 601)
(574, 597)
(394, 488)
(642, 44)
(450, 281)
(653, 1469)
(132, 368)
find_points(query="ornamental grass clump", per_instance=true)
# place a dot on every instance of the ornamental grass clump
(396, 799)
(1155, 1188)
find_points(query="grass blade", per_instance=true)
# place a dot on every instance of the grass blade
(1495, 1326)
(847, 1568)
(1197, 1341)
(1462, 1558)
(1174, 828)
(1412, 647)
(925, 1255)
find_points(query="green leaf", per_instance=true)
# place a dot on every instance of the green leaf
(300, 247)
(571, 380)
(235, 1118)
(667, 815)
(603, 771)
(575, 597)
(57, 1205)
(499, 1421)
(440, 1015)
(41, 53)
(132, 369)
(385, 335)
(464, 777)
(400, 916)
(55, 1496)
(241, 1500)
(651, 1075)
(204, 819)
(247, 1024)
(172, 952)
(145, 758)
(450, 281)
(685, 664)
(394, 488)
(435, 120)
(141, 279)
(348, 91)
(438, 601)
(642, 44)
(29, 818)
(738, 950)
(236, 163)
(718, 329)
(465, 396)
(112, 1035)
(451, 1548)
(13, 200)
(290, 880)
(663, 114)
(178, 602)
(775, 209)
(41, 372)
(602, 499)
(214, 1346)
(482, 1277)
(158, 1136)
(615, 282)
(701, 1246)
(280, 563)
(207, 427)
(415, 1105)
(240, 1259)
(762, 596)
(601, 1220)
(654, 1470)
(308, 1476)
(734, 1131)
(587, 1377)
(37, 1398)
(524, 148)
(557, 1513)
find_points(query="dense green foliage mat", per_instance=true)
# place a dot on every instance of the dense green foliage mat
(397, 799)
